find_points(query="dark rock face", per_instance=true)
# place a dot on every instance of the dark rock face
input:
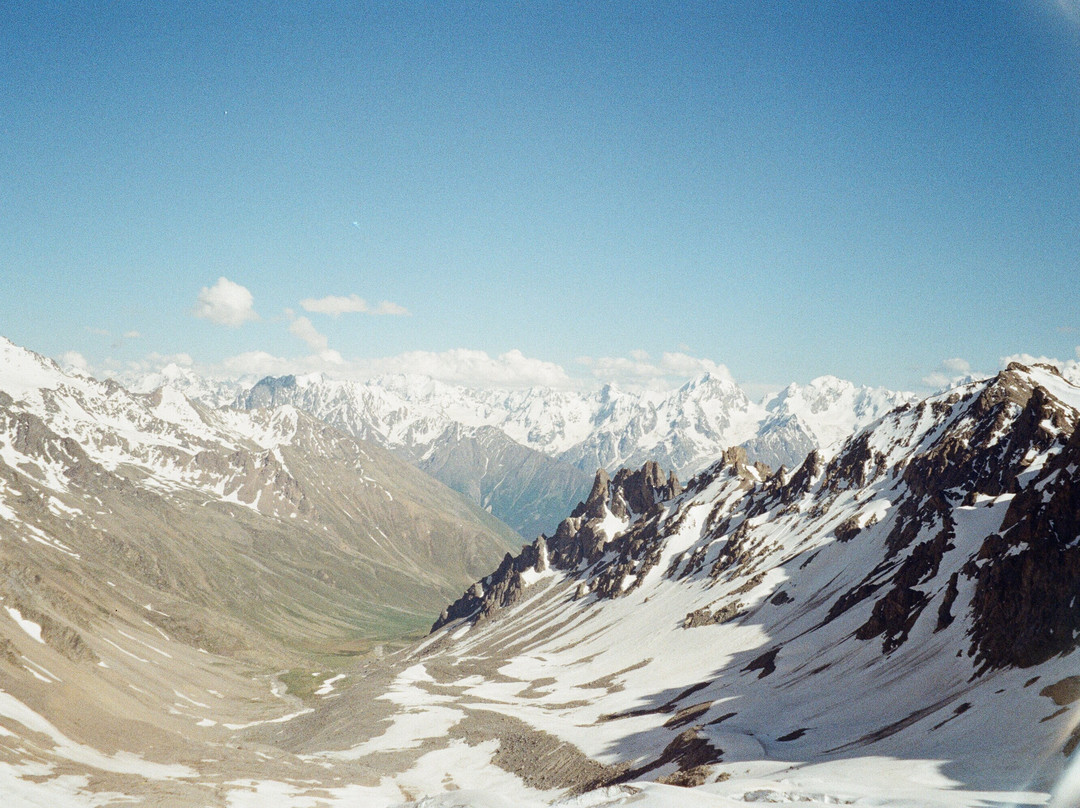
(707, 617)
(268, 393)
(894, 615)
(499, 590)
(1026, 575)
(855, 467)
(637, 491)
(1029, 575)
(803, 478)
(632, 493)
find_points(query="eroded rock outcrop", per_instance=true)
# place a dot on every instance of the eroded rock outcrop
(591, 531)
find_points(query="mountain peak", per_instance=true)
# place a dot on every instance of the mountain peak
(711, 380)
(25, 371)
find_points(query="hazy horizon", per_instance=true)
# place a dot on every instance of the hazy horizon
(542, 194)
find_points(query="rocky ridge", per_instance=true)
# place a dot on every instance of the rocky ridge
(919, 548)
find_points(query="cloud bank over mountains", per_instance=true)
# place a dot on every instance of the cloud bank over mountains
(232, 305)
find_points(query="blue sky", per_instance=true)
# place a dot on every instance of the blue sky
(540, 190)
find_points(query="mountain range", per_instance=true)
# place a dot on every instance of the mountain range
(531, 454)
(211, 606)
(911, 599)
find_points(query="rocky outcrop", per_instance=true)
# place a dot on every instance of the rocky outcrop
(584, 537)
(1029, 574)
(501, 589)
(270, 391)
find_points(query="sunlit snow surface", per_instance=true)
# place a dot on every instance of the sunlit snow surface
(604, 660)
(881, 782)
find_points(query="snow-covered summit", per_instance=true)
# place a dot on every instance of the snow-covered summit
(685, 428)
(24, 371)
(211, 392)
(831, 409)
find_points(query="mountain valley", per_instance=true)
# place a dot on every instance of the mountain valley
(206, 606)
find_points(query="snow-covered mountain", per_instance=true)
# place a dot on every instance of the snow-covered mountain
(211, 392)
(817, 416)
(268, 514)
(892, 624)
(896, 625)
(684, 429)
(452, 433)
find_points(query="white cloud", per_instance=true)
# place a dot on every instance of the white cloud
(936, 380)
(184, 360)
(639, 370)
(459, 366)
(132, 335)
(392, 309)
(323, 356)
(353, 304)
(301, 327)
(951, 373)
(473, 368)
(74, 361)
(127, 371)
(1029, 359)
(226, 303)
(257, 363)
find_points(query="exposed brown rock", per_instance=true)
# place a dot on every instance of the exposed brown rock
(945, 615)
(1063, 692)
(688, 778)
(848, 529)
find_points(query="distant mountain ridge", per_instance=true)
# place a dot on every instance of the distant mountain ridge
(682, 429)
(575, 433)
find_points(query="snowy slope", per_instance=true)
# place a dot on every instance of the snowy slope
(891, 624)
(855, 612)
